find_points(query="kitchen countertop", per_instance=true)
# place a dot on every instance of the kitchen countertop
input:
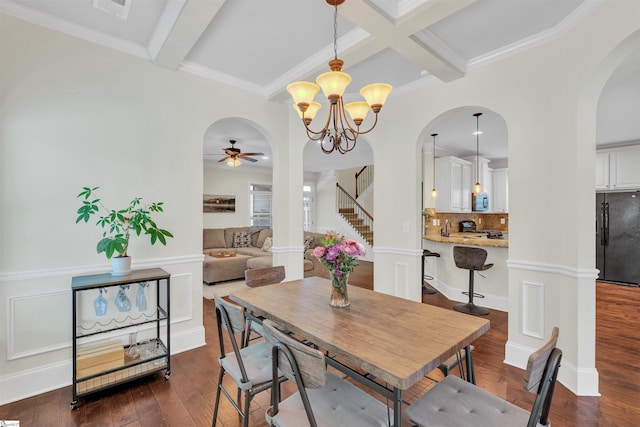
(475, 239)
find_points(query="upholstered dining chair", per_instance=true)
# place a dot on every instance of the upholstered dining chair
(322, 399)
(253, 279)
(250, 367)
(455, 402)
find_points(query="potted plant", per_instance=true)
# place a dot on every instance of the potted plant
(119, 224)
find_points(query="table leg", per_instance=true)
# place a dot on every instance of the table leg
(471, 374)
(397, 407)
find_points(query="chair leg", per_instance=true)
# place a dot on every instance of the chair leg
(470, 307)
(247, 402)
(217, 404)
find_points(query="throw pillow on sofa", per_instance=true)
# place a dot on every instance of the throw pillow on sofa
(241, 240)
(268, 243)
(308, 243)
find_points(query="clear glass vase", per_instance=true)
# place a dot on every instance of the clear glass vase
(339, 295)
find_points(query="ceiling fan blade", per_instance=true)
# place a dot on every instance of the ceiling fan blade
(250, 154)
(249, 159)
(223, 159)
(231, 151)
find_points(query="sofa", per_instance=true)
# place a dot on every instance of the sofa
(228, 252)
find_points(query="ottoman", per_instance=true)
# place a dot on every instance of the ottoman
(221, 269)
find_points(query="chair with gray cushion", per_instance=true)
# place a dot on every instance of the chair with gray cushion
(322, 399)
(455, 402)
(471, 259)
(250, 367)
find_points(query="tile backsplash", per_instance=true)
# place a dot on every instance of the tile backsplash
(484, 221)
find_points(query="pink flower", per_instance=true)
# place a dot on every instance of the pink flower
(318, 252)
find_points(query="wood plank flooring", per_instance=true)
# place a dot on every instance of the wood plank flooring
(187, 398)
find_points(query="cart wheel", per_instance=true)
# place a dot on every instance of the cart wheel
(74, 404)
(167, 374)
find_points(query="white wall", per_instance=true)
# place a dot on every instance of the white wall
(233, 182)
(75, 114)
(540, 93)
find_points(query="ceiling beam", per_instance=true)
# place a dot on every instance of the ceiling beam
(398, 35)
(187, 29)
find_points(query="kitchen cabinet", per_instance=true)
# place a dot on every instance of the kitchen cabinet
(499, 202)
(484, 174)
(602, 171)
(453, 182)
(617, 169)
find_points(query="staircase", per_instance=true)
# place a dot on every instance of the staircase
(359, 219)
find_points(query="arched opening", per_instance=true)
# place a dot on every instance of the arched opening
(461, 159)
(221, 178)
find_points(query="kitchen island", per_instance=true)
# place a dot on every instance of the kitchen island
(452, 281)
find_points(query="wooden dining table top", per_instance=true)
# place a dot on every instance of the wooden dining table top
(395, 339)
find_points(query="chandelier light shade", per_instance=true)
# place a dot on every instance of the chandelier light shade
(339, 132)
(477, 188)
(434, 192)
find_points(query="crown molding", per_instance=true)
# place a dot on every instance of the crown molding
(66, 27)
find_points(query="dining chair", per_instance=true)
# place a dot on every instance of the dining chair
(256, 278)
(322, 399)
(455, 402)
(250, 367)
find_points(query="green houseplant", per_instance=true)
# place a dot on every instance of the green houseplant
(119, 224)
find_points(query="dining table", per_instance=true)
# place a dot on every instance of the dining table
(385, 342)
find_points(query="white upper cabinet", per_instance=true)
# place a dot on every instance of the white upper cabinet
(618, 169)
(499, 202)
(602, 171)
(453, 182)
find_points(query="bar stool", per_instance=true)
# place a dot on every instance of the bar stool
(427, 253)
(471, 259)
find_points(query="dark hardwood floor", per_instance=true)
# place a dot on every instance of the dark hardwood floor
(187, 398)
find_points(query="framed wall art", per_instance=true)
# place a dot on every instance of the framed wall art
(216, 203)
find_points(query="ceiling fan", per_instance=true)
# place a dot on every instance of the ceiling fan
(233, 154)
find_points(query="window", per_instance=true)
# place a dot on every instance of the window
(307, 204)
(260, 204)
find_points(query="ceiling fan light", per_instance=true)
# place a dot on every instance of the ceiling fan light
(358, 111)
(233, 162)
(376, 94)
(333, 83)
(303, 92)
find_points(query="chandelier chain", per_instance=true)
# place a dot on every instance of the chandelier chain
(335, 31)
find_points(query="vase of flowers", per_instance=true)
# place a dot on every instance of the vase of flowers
(119, 224)
(340, 256)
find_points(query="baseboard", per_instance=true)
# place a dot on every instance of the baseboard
(454, 294)
(582, 382)
(57, 375)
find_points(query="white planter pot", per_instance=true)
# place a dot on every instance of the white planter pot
(120, 265)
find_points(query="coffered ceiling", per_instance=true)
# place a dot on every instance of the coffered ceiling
(262, 45)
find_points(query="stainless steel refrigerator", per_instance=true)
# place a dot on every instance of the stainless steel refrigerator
(618, 237)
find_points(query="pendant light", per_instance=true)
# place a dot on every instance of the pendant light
(477, 188)
(434, 192)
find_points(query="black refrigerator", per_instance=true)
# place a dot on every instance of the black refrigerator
(618, 237)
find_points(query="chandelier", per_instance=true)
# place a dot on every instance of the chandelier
(338, 133)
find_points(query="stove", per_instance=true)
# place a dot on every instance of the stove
(469, 226)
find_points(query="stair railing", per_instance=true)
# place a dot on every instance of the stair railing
(364, 178)
(346, 203)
